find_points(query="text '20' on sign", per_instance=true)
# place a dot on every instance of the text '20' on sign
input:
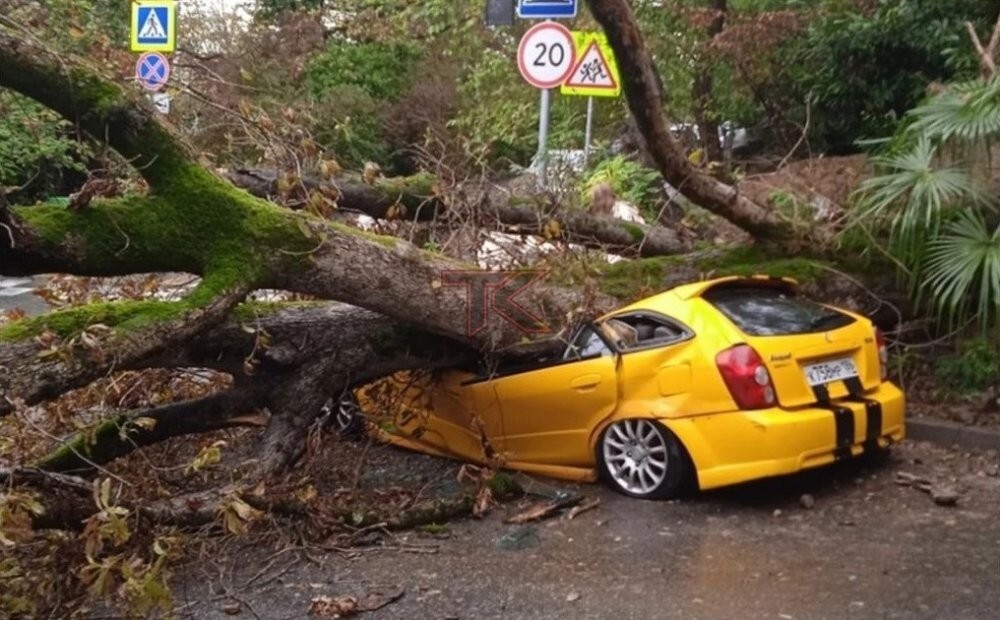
(546, 55)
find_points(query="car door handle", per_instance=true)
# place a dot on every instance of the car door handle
(585, 383)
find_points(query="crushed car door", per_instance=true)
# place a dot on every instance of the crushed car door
(549, 412)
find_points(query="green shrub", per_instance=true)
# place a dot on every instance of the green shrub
(354, 85)
(382, 70)
(864, 70)
(632, 182)
(975, 368)
(36, 148)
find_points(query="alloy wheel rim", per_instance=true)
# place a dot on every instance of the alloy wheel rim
(636, 455)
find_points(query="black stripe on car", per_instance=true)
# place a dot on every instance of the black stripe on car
(873, 413)
(843, 419)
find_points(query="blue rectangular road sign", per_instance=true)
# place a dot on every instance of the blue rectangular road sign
(153, 24)
(547, 9)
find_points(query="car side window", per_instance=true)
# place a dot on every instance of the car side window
(644, 330)
(586, 344)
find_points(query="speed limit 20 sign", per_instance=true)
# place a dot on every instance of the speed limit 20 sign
(546, 54)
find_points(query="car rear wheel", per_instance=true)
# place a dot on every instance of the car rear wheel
(641, 458)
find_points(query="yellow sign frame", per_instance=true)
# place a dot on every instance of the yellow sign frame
(584, 40)
(171, 27)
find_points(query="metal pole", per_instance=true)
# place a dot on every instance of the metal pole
(590, 130)
(543, 135)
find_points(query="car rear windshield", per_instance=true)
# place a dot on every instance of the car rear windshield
(760, 311)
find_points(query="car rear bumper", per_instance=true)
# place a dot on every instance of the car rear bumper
(745, 445)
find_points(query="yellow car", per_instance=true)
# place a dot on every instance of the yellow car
(716, 382)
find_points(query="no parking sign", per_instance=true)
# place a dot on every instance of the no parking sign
(152, 70)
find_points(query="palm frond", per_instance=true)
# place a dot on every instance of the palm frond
(914, 193)
(968, 112)
(963, 269)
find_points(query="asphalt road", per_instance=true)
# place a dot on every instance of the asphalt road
(16, 293)
(868, 548)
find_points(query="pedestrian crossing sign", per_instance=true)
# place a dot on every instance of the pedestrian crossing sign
(154, 25)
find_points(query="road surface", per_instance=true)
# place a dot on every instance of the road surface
(861, 546)
(16, 293)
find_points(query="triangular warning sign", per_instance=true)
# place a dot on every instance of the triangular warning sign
(152, 28)
(592, 71)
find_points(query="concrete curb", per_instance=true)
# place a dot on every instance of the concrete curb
(951, 433)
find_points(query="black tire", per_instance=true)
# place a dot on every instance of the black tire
(345, 416)
(627, 455)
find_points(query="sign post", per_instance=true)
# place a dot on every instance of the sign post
(545, 58)
(588, 133)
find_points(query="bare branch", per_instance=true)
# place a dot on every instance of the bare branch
(987, 59)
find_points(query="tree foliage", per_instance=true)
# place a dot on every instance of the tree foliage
(863, 67)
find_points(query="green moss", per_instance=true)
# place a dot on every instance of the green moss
(751, 261)
(123, 315)
(389, 242)
(421, 185)
(83, 449)
(638, 234)
(71, 321)
(628, 280)
(503, 485)
(801, 269)
(731, 257)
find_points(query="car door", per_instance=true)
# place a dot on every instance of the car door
(458, 414)
(549, 412)
(658, 369)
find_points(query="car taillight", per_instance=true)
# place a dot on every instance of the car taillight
(747, 378)
(883, 353)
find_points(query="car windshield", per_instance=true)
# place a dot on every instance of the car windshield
(760, 311)
(587, 344)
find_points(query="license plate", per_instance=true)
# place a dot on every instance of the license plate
(828, 372)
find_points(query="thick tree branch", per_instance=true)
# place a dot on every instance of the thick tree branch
(124, 433)
(42, 367)
(644, 99)
(414, 198)
(102, 108)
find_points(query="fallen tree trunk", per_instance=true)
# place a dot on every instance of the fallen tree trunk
(197, 222)
(124, 433)
(418, 199)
